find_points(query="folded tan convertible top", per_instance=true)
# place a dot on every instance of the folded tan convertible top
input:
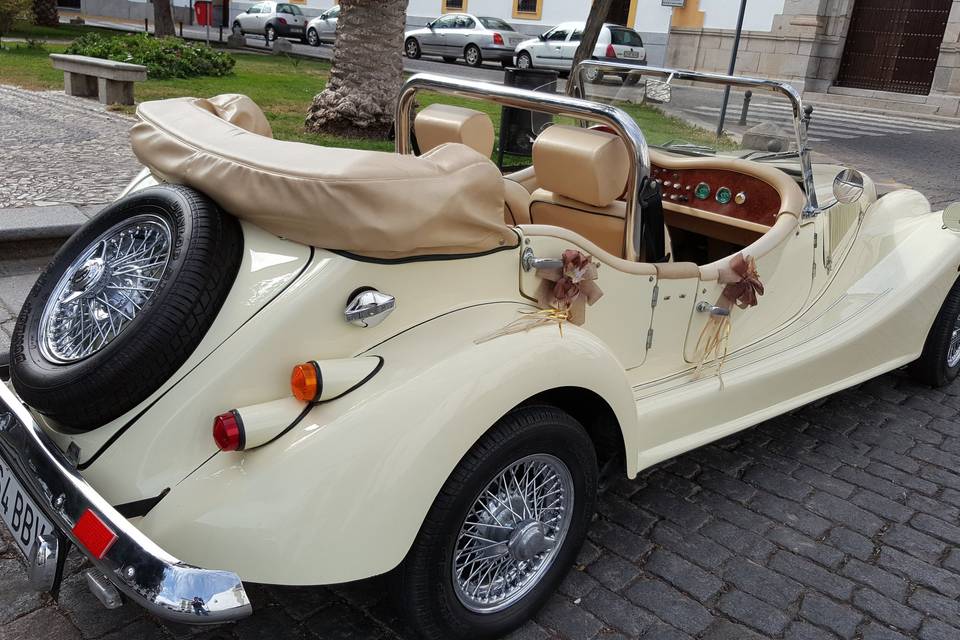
(376, 204)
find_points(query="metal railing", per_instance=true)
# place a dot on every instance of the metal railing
(800, 117)
(558, 105)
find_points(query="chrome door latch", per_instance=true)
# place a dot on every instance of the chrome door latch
(529, 261)
(368, 308)
(703, 307)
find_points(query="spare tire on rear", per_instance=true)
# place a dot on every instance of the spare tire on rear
(123, 304)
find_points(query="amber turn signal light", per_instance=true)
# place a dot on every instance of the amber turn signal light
(305, 382)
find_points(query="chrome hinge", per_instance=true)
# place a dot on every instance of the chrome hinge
(655, 296)
(649, 338)
(828, 263)
(814, 274)
(816, 237)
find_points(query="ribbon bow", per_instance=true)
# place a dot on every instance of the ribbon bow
(570, 288)
(744, 292)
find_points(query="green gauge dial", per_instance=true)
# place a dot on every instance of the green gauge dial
(724, 195)
(702, 191)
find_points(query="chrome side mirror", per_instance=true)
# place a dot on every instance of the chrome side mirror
(368, 308)
(848, 186)
(658, 91)
(951, 217)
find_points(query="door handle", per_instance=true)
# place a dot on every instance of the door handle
(703, 307)
(529, 261)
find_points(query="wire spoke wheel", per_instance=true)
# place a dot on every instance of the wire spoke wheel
(512, 533)
(104, 289)
(953, 351)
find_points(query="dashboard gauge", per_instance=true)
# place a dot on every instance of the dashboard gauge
(724, 195)
(702, 191)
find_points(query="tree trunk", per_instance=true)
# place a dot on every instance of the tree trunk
(360, 97)
(45, 13)
(598, 15)
(163, 19)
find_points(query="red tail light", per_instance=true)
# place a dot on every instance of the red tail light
(611, 52)
(228, 431)
(93, 534)
(497, 39)
(281, 20)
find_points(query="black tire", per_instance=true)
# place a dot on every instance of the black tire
(412, 48)
(449, 59)
(932, 367)
(270, 33)
(87, 393)
(423, 585)
(524, 61)
(313, 38)
(506, 64)
(237, 29)
(593, 75)
(630, 80)
(472, 55)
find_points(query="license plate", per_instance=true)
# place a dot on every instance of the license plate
(296, 29)
(22, 517)
(631, 54)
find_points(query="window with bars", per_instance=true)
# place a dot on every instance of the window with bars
(529, 9)
(447, 6)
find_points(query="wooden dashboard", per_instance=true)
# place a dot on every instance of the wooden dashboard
(721, 192)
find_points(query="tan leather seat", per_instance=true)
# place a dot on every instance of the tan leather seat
(581, 173)
(442, 123)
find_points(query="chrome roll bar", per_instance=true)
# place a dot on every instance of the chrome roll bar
(800, 118)
(554, 104)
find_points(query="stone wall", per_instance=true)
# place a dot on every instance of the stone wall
(946, 79)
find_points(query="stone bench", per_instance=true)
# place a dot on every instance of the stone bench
(86, 76)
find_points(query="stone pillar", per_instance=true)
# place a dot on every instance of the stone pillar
(115, 91)
(946, 79)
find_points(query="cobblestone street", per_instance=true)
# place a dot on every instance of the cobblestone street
(58, 149)
(839, 520)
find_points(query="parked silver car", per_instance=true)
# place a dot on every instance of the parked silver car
(555, 48)
(323, 28)
(462, 35)
(272, 20)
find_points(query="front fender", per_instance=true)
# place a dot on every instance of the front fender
(342, 496)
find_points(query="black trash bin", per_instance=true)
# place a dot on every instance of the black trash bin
(519, 127)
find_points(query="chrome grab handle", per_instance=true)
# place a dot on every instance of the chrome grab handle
(703, 306)
(529, 261)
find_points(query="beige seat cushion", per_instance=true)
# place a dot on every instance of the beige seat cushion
(517, 201)
(383, 205)
(604, 226)
(442, 123)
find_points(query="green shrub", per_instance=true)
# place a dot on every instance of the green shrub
(10, 12)
(163, 57)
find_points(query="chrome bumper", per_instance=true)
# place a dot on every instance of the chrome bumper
(145, 573)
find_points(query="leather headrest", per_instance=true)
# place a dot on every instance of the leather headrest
(442, 123)
(581, 164)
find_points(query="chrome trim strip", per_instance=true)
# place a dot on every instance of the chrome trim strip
(800, 117)
(555, 104)
(148, 575)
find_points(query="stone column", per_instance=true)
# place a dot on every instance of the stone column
(946, 79)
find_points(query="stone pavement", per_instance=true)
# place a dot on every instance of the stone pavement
(58, 149)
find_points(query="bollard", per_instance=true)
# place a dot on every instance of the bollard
(181, 28)
(745, 108)
(146, 26)
(807, 116)
(220, 37)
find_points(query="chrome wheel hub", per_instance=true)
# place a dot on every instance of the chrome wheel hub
(104, 289)
(512, 533)
(953, 352)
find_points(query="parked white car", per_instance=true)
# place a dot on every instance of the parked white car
(555, 49)
(272, 20)
(323, 28)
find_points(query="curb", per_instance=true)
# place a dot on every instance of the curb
(54, 222)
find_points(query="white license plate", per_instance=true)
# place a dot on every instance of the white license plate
(631, 54)
(18, 511)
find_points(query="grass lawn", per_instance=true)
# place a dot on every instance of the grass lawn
(284, 87)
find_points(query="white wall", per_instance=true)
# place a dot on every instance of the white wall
(722, 14)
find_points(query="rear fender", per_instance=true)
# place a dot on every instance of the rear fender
(342, 496)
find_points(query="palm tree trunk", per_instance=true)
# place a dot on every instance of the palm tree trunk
(163, 18)
(45, 13)
(360, 97)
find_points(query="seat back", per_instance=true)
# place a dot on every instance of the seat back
(442, 123)
(581, 173)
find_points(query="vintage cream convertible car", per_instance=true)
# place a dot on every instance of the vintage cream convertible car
(418, 366)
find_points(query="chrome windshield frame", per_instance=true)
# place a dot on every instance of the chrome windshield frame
(554, 104)
(800, 118)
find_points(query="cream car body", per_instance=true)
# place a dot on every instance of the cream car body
(852, 290)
